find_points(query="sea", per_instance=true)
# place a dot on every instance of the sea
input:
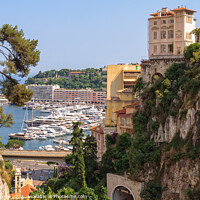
(19, 116)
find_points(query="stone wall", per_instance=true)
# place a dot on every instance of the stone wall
(114, 181)
(157, 65)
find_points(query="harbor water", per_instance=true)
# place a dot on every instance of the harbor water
(18, 115)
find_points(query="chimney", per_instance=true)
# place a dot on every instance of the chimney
(159, 13)
(164, 9)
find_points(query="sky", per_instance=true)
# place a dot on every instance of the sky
(76, 34)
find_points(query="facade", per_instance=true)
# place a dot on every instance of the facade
(170, 31)
(125, 119)
(43, 92)
(97, 132)
(75, 96)
(77, 74)
(120, 80)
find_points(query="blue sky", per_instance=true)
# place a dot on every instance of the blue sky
(86, 33)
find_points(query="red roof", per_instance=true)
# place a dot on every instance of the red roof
(26, 190)
(183, 9)
(123, 111)
(76, 72)
(15, 195)
(163, 13)
(97, 129)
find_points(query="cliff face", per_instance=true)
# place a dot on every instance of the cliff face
(4, 190)
(171, 106)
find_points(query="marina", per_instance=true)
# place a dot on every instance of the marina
(50, 130)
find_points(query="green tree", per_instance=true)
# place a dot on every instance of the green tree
(90, 158)
(77, 155)
(192, 53)
(14, 144)
(18, 55)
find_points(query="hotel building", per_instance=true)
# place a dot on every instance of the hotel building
(170, 31)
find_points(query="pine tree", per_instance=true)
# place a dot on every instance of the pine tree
(18, 55)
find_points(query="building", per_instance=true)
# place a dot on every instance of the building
(120, 81)
(43, 92)
(75, 96)
(97, 132)
(125, 118)
(77, 74)
(22, 190)
(170, 31)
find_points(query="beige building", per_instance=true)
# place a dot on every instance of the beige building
(120, 80)
(170, 31)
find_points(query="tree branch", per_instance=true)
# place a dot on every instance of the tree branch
(7, 49)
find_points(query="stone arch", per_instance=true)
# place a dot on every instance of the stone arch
(121, 192)
(154, 77)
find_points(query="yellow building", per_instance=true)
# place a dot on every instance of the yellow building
(120, 80)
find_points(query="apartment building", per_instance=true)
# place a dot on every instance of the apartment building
(43, 92)
(120, 81)
(97, 132)
(75, 96)
(170, 31)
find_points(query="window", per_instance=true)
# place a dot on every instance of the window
(171, 21)
(163, 21)
(163, 34)
(155, 23)
(188, 36)
(163, 48)
(155, 35)
(170, 34)
(170, 48)
(178, 50)
(155, 49)
(189, 20)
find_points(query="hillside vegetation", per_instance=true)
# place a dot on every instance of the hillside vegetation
(89, 78)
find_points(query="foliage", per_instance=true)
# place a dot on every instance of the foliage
(139, 86)
(102, 193)
(90, 158)
(18, 55)
(121, 162)
(8, 165)
(193, 194)
(77, 155)
(152, 190)
(14, 144)
(192, 53)
(5, 119)
(87, 193)
(91, 78)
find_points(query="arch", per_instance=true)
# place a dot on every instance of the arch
(121, 192)
(156, 76)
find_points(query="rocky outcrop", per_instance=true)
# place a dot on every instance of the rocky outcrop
(178, 177)
(4, 190)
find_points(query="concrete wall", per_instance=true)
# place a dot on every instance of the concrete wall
(114, 181)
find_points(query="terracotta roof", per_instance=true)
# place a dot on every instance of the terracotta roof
(121, 111)
(126, 115)
(76, 72)
(26, 190)
(15, 195)
(97, 129)
(182, 9)
(163, 13)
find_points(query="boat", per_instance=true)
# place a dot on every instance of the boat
(42, 137)
(20, 136)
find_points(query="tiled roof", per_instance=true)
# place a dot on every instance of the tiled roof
(121, 111)
(183, 9)
(97, 129)
(76, 72)
(15, 195)
(163, 13)
(26, 190)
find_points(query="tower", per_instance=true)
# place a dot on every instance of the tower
(18, 181)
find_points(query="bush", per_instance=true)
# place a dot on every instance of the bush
(152, 191)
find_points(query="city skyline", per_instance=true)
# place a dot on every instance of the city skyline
(82, 34)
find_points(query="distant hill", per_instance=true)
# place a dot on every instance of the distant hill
(69, 79)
